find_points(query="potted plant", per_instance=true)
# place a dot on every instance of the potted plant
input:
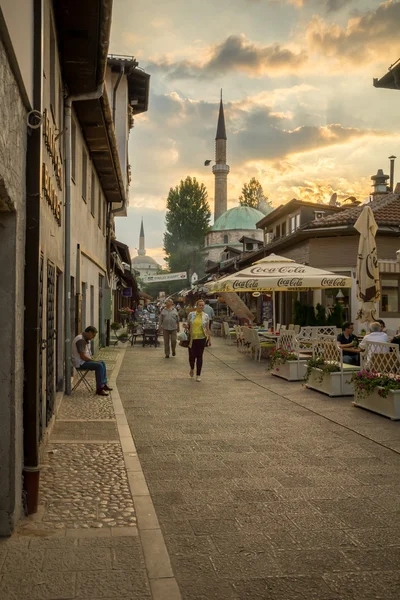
(120, 338)
(286, 364)
(378, 393)
(327, 377)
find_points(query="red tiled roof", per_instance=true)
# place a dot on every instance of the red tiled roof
(386, 209)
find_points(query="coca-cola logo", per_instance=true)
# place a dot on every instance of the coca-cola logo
(260, 270)
(293, 283)
(248, 283)
(333, 282)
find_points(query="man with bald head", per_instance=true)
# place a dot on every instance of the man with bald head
(169, 325)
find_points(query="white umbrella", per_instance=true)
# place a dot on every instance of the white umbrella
(278, 274)
(368, 286)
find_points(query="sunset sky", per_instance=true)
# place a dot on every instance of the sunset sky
(301, 111)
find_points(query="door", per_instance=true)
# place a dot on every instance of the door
(42, 344)
(101, 318)
(84, 308)
(50, 341)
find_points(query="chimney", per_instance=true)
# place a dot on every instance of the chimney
(379, 183)
(391, 185)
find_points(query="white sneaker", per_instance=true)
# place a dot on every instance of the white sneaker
(198, 378)
(191, 372)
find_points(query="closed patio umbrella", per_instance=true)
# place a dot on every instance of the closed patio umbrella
(368, 286)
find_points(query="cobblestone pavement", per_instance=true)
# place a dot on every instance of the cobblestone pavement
(83, 543)
(263, 489)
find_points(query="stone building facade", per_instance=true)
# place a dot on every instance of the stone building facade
(14, 107)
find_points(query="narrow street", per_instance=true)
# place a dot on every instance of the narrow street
(263, 489)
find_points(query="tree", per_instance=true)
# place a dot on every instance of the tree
(253, 195)
(187, 222)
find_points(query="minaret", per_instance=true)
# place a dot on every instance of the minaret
(220, 169)
(141, 251)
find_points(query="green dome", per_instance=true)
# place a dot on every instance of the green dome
(240, 217)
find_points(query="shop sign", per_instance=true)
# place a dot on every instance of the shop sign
(50, 139)
(50, 194)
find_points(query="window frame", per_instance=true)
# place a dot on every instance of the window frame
(99, 208)
(53, 72)
(84, 174)
(93, 194)
(393, 277)
(73, 150)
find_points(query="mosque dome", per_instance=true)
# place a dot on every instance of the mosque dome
(144, 261)
(240, 217)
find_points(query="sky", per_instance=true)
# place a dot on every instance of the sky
(302, 115)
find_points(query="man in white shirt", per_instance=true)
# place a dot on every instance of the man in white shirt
(82, 359)
(376, 335)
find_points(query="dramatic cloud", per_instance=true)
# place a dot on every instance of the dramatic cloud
(328, 5)
(369, 36)
(235, 54)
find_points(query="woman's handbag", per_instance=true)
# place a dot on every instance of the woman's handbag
(183, 339)
(184, 343)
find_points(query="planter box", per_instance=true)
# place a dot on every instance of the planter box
(388, 407)
(292, 370)
(332, 384)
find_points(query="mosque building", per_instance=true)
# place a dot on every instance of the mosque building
(231, 225)
(143, 264)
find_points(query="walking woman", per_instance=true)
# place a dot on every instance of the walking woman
(199, 335)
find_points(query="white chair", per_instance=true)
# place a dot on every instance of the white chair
(277, 328)
(291, 327)
(229, 334)
(297, 329)
(283, 328)
(247, 339)
(257, 346)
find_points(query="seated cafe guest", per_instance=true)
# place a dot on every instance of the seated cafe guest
(82, 359)
(348, 342)
(382, 324)
(376, 335)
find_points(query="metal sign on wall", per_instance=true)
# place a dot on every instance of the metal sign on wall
(165, 277)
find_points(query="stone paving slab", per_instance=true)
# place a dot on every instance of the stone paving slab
(84, 542)
(264, 490)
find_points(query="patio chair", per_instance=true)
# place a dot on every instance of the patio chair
(239, 338)
(82, 378)
(258, 346)
(283, 328)
(277, 328)
(229, 333)
(247, 339)
(291, 327)
(297, 329)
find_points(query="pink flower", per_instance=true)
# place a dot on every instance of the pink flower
(276, 369)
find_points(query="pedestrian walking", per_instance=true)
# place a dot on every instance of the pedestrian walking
(169, 325)
(82, 359)
(209, 311)
(199, 336)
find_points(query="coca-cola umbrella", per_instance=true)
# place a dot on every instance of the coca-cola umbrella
(278, 274)
(368, 285)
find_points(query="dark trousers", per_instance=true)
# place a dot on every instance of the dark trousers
(100, 372)
(196, 355)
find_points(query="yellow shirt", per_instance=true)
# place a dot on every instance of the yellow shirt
(197, 332)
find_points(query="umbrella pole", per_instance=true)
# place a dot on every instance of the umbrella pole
(273, 310)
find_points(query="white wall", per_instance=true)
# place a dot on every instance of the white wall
(18, 15)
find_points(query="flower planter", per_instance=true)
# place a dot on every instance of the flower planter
(388, 407)
(292, 370)
(332, 384)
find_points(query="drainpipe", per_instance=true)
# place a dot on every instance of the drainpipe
(67, 219)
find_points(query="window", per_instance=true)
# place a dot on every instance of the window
(226, 239)
(61, 115)
(249, 246)
(283, 226)
(84, 307)
(104, 218)
(294, 223)
(390, 295)
(84, 174)
(73, 150)
(53, 72)
(93, 194)
(99, 211)
(278, 231)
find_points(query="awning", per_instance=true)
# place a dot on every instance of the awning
(278, 273)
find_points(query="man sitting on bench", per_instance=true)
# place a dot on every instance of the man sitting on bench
(82, 359)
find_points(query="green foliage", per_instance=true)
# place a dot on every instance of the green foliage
(187, 222)
(252, 194)
(320, 316)
(304, 314)
(366, 382)
(115, 326)
(319, 363)
(280, 357)
(337, 316)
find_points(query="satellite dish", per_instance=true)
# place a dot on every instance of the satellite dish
(332, 201)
